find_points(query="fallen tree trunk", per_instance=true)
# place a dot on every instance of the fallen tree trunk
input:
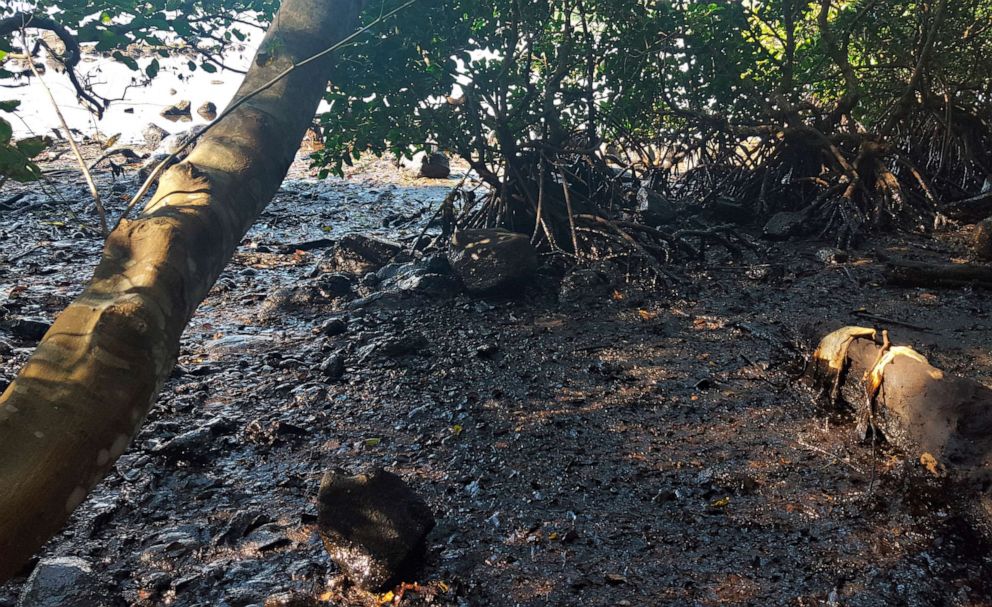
(906, 273)
(942, 421)
(972, 209)
(83, 395)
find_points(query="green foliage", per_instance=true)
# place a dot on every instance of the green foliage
(16, 156)
(115, 25)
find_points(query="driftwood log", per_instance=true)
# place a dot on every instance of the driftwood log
(906, 273)
(940, 420)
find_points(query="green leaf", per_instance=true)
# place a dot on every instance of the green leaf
(15, 165)
(32, 146)
(128, 61)
(5, 132)
(3, 55)
(153, 68)
(209, 68)
(105, 18)
(9, 106)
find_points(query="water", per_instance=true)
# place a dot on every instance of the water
(135, 104)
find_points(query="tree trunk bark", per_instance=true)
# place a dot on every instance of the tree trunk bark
(80, 399)
(941, 420)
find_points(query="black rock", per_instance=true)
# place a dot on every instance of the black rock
(178, 111)
(373, 526)
(435, 166)
(655, 208)
(334, 285)
(333, 367)
(27, 329)
(357, 254)
(784, 225)
(492, 261)
(333, 327)
(431, 285)
(63, 582)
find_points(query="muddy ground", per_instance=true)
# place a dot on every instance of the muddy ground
(644, 445)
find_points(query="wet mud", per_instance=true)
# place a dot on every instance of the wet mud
(641, 445)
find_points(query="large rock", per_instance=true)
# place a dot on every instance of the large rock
(372, 525)
(655, 208)
(492, 261)
(435, 166)
(358, 254)
(63, 582)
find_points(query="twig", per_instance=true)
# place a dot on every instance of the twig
(448, 200)
(828, 454)
(891, 321)
(154, 176)
(72, 144)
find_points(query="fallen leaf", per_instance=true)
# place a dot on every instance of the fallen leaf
(647, 315)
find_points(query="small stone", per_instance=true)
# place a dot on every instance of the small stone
(207, 111)
(333, 327)
(334, 285)
(435, 166)
(28, 329)
(784, 225)
(153, 135)
(492, 261)
(431, 285)
(373, 526)
(358, 254)
(177, 111)
(333, 367)
(831, 255)
(487, 350)
(615, 579)
(177, 144)
(983, 240)
(63, 582)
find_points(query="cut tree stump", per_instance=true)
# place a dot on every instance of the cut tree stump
(940, 420)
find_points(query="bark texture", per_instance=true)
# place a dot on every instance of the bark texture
(82, 396)
(941, 420)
